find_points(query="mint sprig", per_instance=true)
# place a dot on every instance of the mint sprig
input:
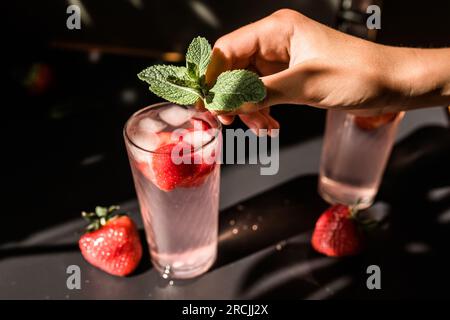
(170, 83)
(186, 85)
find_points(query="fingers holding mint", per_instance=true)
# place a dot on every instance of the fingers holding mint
(187, 85)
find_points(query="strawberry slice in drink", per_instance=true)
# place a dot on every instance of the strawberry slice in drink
(202, 171)
(168, 172)
(374, 122)
(198, 137)
(187, 166)
(199, 125)
(152, 142)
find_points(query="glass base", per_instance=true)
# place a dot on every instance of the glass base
(335, 192)
(188, 272)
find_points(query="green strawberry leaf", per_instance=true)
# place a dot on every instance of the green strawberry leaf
(101, 211)
(163, 81)
(198, 56)
(233, 88)
(100, 217)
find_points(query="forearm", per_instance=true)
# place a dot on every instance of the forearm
(418, 78)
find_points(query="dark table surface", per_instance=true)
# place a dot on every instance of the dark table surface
(265, 227)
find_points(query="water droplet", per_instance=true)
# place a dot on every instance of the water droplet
(280, 245)
(171, 283)
(166, 272)
(232, 222)
(254, 227)
(245, 227)
(94, 56)
(417, 248)
(93, 159)
(235, 231)
(129, 96)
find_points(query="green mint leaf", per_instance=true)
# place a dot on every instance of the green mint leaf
(171, 83)
(184, 82)
(233, 88)
(192, 71)
(198, 56)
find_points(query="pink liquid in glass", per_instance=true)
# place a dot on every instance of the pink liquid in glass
(354, 157)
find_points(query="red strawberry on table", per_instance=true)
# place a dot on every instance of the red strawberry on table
(374, 122)
(337, 232)
(111, 242)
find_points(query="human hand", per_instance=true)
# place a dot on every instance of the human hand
(301, 61)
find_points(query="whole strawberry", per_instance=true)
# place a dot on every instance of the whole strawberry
(337, 232)
(111, 242)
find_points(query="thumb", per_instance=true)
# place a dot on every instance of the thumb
(290, 86)
(281, 87)
(287, 86)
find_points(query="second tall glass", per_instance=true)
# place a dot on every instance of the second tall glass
(354, 155)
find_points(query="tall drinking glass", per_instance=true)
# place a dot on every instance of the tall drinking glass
(172, 152)
(354, 156)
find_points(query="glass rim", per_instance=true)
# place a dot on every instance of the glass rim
(159, 105)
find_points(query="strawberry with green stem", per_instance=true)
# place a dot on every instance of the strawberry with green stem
(339, 231)
(111, 242)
